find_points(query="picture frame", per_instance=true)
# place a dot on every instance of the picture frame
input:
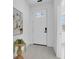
(17, 22)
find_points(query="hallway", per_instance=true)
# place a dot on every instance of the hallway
(39, 23)
(40, 52)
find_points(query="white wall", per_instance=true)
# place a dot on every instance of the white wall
(59, 10)
(50, 25)
(56, 3)
(22, 6)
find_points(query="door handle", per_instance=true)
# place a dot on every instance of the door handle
(45, 30)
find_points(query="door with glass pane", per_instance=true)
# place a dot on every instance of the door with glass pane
(40, 27)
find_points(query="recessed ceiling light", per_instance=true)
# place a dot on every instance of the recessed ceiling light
(39, 1)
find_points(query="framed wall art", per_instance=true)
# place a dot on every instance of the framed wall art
(17, 22)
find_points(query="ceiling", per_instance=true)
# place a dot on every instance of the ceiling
(33, 2)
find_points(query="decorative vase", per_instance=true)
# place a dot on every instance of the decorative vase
(19, 49)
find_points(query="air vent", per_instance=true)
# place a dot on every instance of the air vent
(39, 1)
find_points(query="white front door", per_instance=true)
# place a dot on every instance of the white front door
(40, 27)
